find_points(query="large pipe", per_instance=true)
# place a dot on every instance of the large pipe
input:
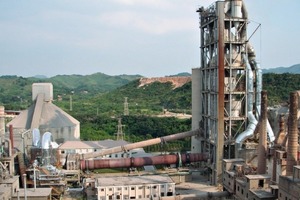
(248, 132)
(251, 118)
(142, 161)
(292, 134)
(262, 147)
(258, 75)
(139, 144)
(11, 136)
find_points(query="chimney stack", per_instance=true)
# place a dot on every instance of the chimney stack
(292, 149)
(262, 147)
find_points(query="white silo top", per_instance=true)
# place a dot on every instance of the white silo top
(42, 88)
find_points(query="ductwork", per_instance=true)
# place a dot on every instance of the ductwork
(258, 73)
(254, 67)
(251, 118)
(248, 132)
(244, 10)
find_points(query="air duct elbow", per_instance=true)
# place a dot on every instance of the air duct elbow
(244, 10)
(249, 131)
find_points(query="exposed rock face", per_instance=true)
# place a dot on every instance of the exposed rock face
(177, 81)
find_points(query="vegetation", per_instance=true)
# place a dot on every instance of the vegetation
(97, 101)
(279, 86)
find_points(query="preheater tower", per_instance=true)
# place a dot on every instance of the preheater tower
(221, 109)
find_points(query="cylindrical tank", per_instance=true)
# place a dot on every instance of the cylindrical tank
(142, 161)
(236, 9)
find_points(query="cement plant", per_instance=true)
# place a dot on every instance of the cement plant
(236, 152)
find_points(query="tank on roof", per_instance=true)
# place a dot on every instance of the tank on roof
(42, 88)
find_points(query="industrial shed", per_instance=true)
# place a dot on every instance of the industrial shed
(46, 117)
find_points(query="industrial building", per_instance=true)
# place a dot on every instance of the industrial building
(233, 143)
(44, 116)
(134, 187)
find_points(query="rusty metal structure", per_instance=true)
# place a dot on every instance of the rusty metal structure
(76, 161)
(227, 108)
(142, 161)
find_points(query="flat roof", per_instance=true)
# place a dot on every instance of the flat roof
(132, 180)
(102, 144)
(262, 193)
(258, 176)
(9, 180)
(38, 192)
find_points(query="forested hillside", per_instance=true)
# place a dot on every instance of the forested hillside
(15, 92)
(98, 102)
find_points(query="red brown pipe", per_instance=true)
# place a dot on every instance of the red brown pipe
(142, 161)
(141, 144)
(11, 137)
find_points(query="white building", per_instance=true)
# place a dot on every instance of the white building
(134, 187)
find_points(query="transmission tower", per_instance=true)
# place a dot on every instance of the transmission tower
(126, 110)
(120, 134)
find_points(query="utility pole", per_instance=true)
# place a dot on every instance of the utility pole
(120, 134)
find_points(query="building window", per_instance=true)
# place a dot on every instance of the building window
(261, 183)
(110, 189)
(132, 188)
(119, 188)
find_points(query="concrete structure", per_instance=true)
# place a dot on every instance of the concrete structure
(134, 187)
(242, 182)
(46, 117)
(289, 186)
(31, 194)
(227, 86)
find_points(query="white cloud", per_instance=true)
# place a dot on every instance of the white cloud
(156, 24)
(148, 3)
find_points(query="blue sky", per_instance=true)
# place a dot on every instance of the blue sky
(148, 37)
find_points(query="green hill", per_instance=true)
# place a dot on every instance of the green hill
(15, 92)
